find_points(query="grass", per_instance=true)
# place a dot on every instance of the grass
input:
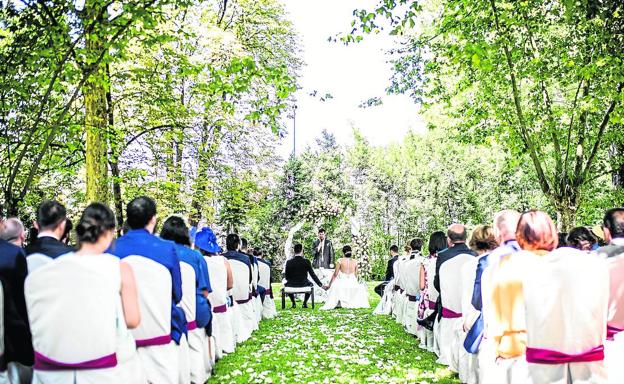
(338, 346)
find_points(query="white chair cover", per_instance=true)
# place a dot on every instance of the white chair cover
(384, 307)
(68, 325)
(425, 335)
(614, 349)
(222, 331)
(197, 369)
(160, 361)
(411, 282)
(268, 305)
(398, 299)
(37, 260)
(467, 364)
(184, 366)
(241, 292)
(566, 295)
(450, 275)
(257, 301)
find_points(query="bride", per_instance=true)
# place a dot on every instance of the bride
(344, 289)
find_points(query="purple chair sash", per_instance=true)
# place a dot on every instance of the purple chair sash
(220, 309)
(191, 325)
(612, 331)
(412, 298)
(158, 340)
(396, 288)
(431, 304)
(244, 301)
(269, 291)
(43, 363)
(448, 314)
(546, 356)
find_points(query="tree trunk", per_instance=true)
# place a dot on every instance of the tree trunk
(566, 213)
(96, 111)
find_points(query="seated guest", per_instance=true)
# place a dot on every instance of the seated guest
(51, 222)
(296, 274)
(13, 232)
(411, 284)
(394, 255)
(448, 276)
(80, 308)
(221, 282)
(195, 298)
(505, 225)
(264, 286)
(482, 241)
(17, 358)
(566, 321)
(614, 252)
(244, 317)
(157, 269)
(581, 238)
(257, 301)
(428, 293)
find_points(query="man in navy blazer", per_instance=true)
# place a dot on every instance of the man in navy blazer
(456, 238)
(51, 222)
(17, 337)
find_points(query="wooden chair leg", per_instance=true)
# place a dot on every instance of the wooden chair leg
(312, 297)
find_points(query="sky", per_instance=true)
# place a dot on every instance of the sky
(351, 74)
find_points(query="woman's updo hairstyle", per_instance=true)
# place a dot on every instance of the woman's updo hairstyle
(96, 220)
(346, 250)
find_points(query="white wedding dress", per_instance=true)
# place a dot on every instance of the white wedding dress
(346, 292)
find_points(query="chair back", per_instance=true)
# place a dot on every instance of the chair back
(153, 282)
(37, 260)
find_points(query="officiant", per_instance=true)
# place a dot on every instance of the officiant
(323, 251)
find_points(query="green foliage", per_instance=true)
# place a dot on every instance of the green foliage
(543, 79)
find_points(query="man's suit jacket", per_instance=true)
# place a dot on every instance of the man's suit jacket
(17, 337)
(327, 258)
(297, 270)
(390, 268)
(448, 254)
(48, 246)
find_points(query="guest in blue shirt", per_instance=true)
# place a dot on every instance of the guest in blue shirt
(139, 241)
(175, 229)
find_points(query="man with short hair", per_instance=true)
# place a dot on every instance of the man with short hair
(296, 274)
(613, 226)
(323, 251)
(394, 255)
(51, 223)
(13, 232)
(456, 239)
(158, 355)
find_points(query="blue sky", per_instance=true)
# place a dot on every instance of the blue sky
(351, 74)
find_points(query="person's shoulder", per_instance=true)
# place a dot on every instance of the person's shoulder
(611, 250)
(10, 250)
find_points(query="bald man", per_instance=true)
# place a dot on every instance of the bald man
(13, 232)
(456, 238)
(504, 225)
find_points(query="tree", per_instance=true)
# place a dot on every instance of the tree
(546, 78)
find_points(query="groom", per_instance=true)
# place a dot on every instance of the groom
(296, 274)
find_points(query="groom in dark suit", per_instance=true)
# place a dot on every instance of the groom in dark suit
(323, 251)
(296, 274)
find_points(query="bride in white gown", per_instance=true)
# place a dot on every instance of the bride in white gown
(344, 289)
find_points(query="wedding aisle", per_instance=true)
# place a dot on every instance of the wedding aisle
(339, 346)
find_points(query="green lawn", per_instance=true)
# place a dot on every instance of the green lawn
(339, 346)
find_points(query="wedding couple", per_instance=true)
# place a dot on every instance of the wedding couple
(344, 290)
